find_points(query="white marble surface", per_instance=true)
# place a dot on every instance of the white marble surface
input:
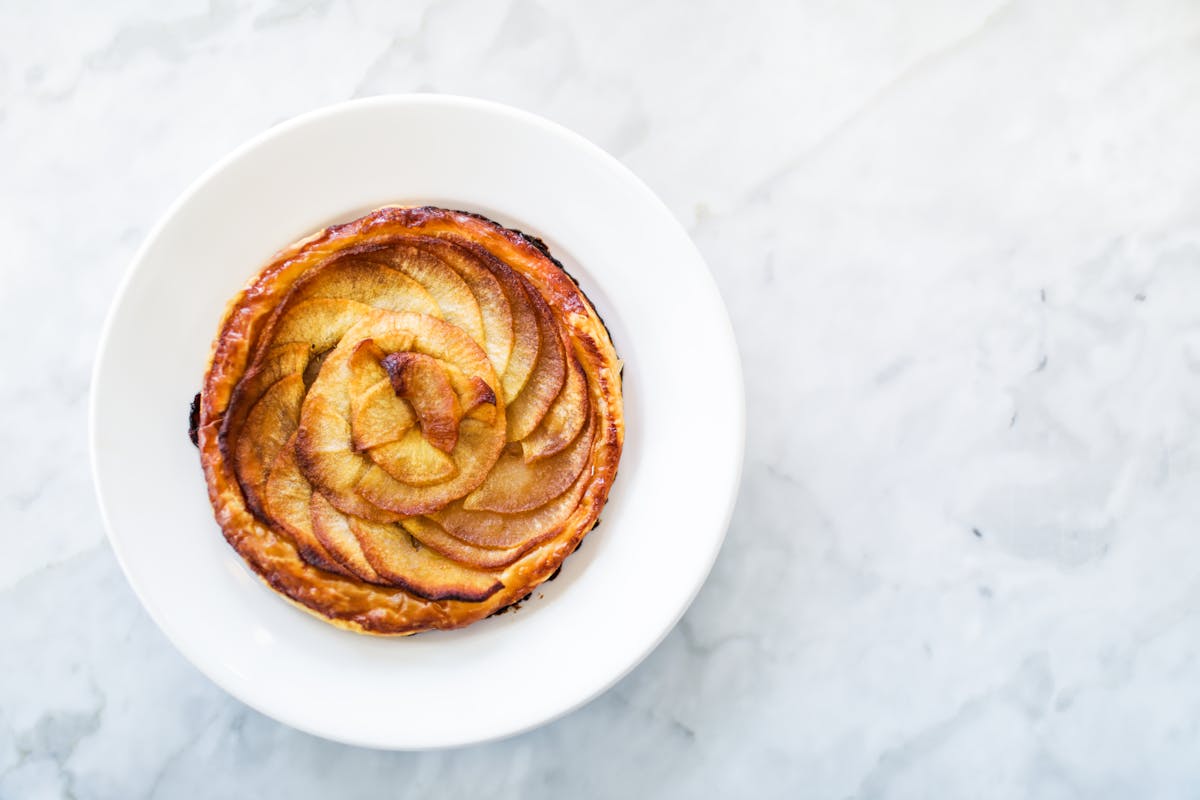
(960, 242)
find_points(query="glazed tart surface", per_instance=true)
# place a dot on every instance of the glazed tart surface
(410, 420)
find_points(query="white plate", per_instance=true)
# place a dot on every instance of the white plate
(615, 599)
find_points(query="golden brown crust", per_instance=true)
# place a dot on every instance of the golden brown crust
(239, 353)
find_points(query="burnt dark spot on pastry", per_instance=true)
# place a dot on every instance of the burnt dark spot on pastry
(314, 367)
(513, 606)
(194, 420)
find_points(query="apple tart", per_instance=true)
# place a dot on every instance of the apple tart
(410, 420)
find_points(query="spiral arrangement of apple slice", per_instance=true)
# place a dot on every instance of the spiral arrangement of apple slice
(413, 413)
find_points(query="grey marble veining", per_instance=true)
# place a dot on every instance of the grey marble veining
(961, 248)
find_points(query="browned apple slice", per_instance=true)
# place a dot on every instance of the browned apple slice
(423, 382)
(430, 534)
(403, 562)
(366, 366)
(489, 295)
(326, 456)
(448, 289)
(325, 445)
(276, 363)
(526, 337)
(332, 529)
(514, 486)
(368, 282)
(490, 529)
(477, 399)
(270, 423)
(379, 417)
(414, 460)
(320, 322)
(478, 446)
(287, 497)
(564, 419)
(526, 410)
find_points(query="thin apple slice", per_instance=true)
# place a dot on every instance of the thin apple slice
(321, 322)
(270, 423)
(526, 336)
(402, 561)
(369, 282)
(448, 289)
(287, 497)
(332, 529)
(477, 399)
(276, 363)
(414, 460)
(325, 453)
(325, 445)
(478, 447)
(527, 529)
(433, 536)
(526, 410)
(423, 382)
(514, 486)
(366, 367)
(489, 295)
(564, 419)
(379, 417)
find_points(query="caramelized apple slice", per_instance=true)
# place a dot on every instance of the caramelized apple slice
(270, 423)
(414, 460)
(449, 290)
(526, 410)
(422, 381)
(514, 486)
(526, 336)
(430, 534)
(478, 447)
(403, 562)
(325, 454)
(286, 498)
(370, 283)
(477, 399)
(325, 445)
(276, 363)
(366, 365)
(320, 322)
(332, 529)
(564, 419)
(489, 295)
(525, 530)
(379, 417)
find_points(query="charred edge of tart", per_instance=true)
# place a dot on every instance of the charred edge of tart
(194, 421)
(515, 605)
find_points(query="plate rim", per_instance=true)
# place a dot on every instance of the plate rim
(138, 263)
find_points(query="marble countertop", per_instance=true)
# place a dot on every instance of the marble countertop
(960, 245)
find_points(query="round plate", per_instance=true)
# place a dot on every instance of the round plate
(615, 599)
